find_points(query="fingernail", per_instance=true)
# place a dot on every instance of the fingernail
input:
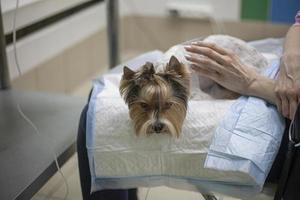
(188, 57)
(188, 47)
(197, 43)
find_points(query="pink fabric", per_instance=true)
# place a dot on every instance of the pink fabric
(297, 18)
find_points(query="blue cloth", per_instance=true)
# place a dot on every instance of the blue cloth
(284, 11)
(249, 136)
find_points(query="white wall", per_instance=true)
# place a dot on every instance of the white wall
(224, 9)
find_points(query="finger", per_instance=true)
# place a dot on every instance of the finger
(203, 71)
(213, 46)
(206, 52)
(293, 102)
(278, 104)
(204, 62)
(278, 99)
(284, 105)
(293, 108)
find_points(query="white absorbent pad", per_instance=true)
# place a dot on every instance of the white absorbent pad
(119, 159)
(116, 152)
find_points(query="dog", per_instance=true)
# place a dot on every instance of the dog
(157, 100)
(157, 94)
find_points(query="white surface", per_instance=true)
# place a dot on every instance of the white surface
(203, 117)
(121, 160)
(159, 7)
(191, 10)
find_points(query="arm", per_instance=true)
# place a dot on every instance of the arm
(292, 43)
(264, 88)
(288, 82)
(226, 69)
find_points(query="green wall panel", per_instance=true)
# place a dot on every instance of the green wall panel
(255, 9)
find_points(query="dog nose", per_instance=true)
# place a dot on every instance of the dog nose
(158, 127)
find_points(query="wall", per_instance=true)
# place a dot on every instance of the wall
(65, 71)
(55, 39)
(148, 33)
(159, 7)
(284, 11)
(255, 9)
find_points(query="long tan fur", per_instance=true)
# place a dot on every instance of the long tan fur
(157, 101)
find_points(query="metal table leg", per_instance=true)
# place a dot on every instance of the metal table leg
(4, 73)
(113, 31)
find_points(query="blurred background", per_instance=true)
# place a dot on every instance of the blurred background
(63, 45)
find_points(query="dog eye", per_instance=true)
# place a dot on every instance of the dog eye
(168, 105)
(144, 106)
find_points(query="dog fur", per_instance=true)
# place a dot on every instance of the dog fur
(157, 100)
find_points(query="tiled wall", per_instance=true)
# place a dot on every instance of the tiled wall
(88, 58)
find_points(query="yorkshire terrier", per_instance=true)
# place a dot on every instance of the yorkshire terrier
(157, 97)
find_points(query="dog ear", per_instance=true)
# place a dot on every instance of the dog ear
(128, 73)
(173, 62)
(182, 75)
(174, 65)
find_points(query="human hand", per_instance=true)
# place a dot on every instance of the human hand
(222, 66)
(287, 85)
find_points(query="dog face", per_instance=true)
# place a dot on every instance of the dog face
(157, 101)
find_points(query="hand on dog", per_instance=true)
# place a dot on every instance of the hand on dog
(222, 66)
(287, 86)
